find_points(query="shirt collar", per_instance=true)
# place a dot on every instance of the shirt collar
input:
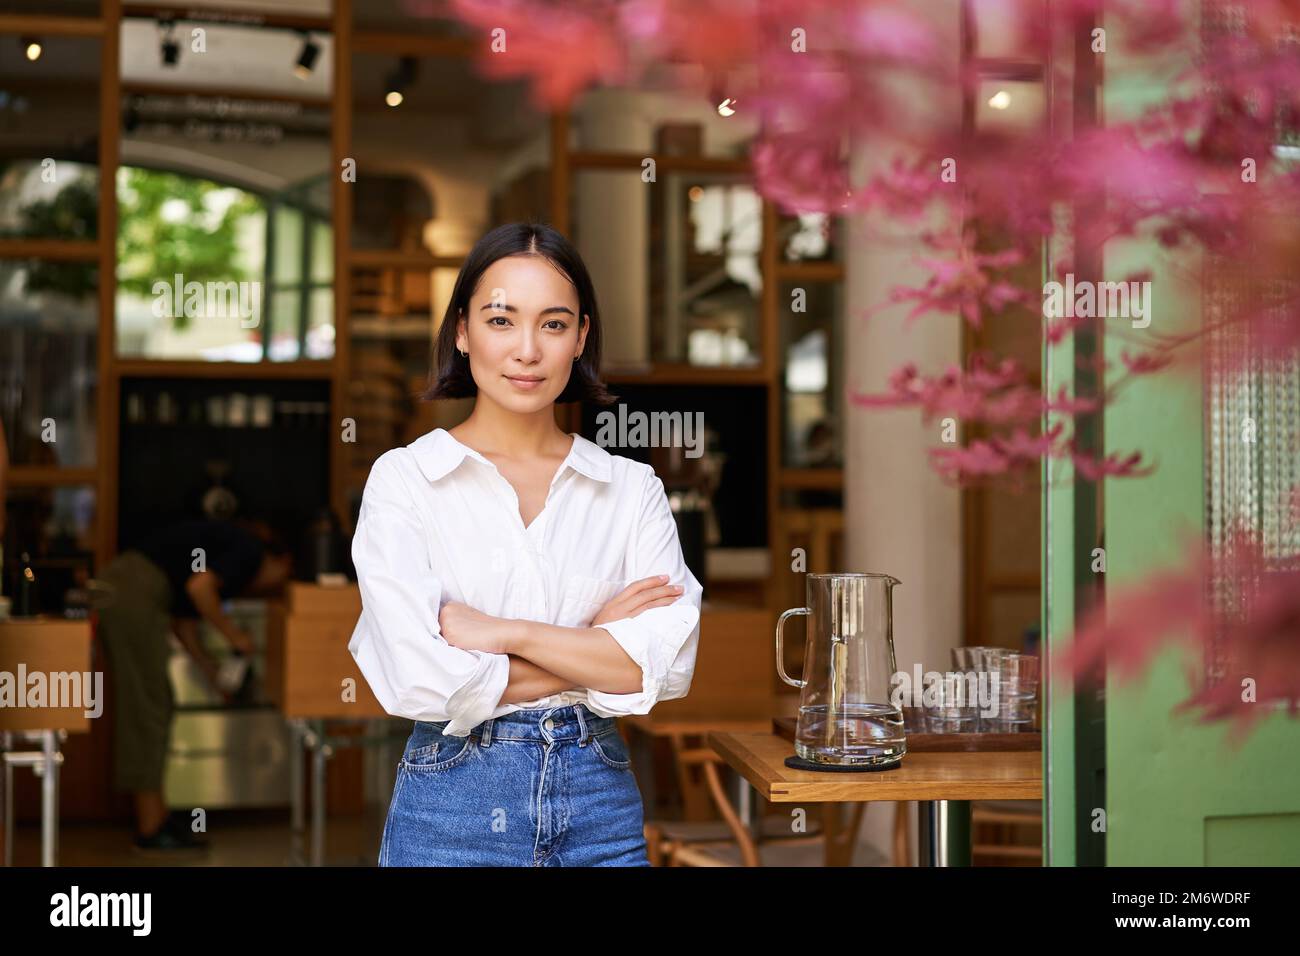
(438, 454)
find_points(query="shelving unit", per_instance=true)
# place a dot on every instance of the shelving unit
(379, 294)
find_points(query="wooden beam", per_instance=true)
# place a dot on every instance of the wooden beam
(591, 159)
(341, 211)
(51, 250)
(167, 368)
(110, 132)
(814, 479)
(687, 375)
(1005, 68)
(46, 476)
(385, 43)
(24, 24)
(818, 271)
(400, 259)
(770, 335)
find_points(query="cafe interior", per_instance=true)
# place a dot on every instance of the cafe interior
(346, 155)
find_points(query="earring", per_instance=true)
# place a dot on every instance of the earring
(576, 357)
(464, 354)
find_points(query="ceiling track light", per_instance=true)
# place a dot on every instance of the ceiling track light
(169, 47)
(31, 47)
(307, 58)
(397, 82)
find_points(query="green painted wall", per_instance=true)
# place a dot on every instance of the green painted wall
(1176, 794)
(1058, 555)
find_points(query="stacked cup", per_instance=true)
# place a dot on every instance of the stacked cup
(952, 702)
(1007, 683)
(1017, 695)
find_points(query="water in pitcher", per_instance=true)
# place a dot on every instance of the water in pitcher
(868, 734)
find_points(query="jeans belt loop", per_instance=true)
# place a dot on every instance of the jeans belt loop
(582, 726)
(486, 739)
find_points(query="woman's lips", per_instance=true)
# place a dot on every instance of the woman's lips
(525, 384)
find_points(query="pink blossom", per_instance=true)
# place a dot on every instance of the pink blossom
(565, 48)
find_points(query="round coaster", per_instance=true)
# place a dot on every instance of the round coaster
(795, 762)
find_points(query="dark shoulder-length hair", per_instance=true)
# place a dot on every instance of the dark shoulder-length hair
(451, 376)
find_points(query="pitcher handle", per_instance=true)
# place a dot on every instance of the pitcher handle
(780, 661)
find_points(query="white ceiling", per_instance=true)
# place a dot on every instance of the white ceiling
(243, 58)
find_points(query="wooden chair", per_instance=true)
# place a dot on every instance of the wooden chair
(997, 831)
(694, 844)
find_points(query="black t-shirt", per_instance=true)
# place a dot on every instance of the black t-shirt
(229, 551)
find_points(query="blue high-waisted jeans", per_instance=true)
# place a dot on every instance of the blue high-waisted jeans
(546, 787)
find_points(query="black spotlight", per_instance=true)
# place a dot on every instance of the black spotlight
(397, 82)
(171, 50)
(307, 58)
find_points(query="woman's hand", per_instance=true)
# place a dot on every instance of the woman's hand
(472, 630)
(637, 597)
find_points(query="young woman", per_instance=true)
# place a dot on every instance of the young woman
(521, 587)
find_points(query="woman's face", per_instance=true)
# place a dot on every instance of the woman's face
(522, 333)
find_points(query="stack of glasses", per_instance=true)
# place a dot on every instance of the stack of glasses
(1017, 693)
(990, 689)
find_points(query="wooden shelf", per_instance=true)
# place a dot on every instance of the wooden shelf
(384, 327)
(819, 479)
(593, 159)
(401, 259)
(166, 368)
(679, 374)
(46, 26)
(51, 250)
(43, 476)
(392, 43)
(816, 271)
(1008, 68)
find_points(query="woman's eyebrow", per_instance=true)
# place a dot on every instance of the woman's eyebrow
(511, 308)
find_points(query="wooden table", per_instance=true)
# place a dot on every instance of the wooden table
(943, 783)
(311, 677)
(667, 723)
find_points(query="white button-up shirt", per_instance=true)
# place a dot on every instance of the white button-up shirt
(439, 523)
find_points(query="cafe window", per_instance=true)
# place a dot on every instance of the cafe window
(48, 376)
(208, 270)
(299, 278)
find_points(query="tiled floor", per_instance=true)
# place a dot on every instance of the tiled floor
(256, 838)
(236, 838)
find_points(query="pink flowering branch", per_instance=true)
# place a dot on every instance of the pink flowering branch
(1197, 171)
(1254, 626)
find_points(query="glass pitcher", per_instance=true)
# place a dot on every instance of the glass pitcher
(845, 714)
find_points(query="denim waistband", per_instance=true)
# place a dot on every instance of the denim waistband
(572, 722)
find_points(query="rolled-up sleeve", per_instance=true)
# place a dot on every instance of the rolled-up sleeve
(663, 640)
(398, 644)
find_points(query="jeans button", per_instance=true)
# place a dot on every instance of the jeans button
(550, 724)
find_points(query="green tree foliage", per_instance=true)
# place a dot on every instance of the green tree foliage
(202, 244)
(72, 214)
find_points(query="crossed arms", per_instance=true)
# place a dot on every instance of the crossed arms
(546, 659)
